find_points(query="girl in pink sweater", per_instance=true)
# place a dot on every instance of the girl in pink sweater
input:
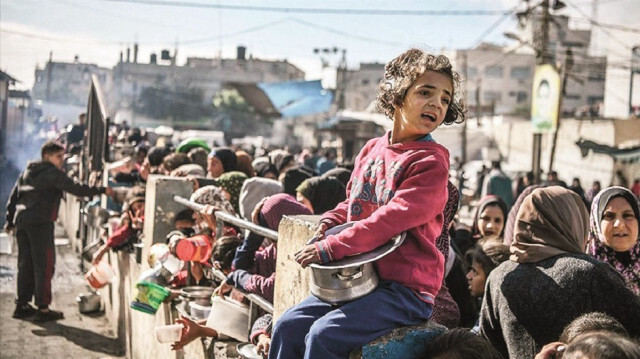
(399, 183)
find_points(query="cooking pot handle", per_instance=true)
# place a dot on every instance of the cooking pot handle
(353, 276)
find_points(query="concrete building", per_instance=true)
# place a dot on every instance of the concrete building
(498, 81)
(202, 76)
(361, 85)
(67, 82)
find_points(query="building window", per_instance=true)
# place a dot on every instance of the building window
(493, 71)
(365, 82)
(491, 96)
(572, 96)
(521, 97)
(520, 73)
(597, 76)
(592, 100)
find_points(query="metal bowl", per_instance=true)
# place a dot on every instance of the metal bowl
(89, 302)
(197, 294)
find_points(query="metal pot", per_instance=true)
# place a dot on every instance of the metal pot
(89, 302)
(198, 294)
(352, 277)
(96, 216)
(90, 249)
(248, 351)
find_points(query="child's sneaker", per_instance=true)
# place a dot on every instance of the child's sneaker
(23, 311)
(48, 316)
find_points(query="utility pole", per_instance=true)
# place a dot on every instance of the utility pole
(568, 64)
(543, 58)
(635, 68)
(463, 155)
(49, 69)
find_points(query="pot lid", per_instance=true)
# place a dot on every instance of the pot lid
(362, 258)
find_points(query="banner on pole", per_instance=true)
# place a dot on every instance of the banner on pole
(545, 99)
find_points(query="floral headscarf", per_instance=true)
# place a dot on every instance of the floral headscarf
(596, 245)
(232, 183)
(214, 196)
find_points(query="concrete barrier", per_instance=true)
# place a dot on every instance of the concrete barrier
(292, 286)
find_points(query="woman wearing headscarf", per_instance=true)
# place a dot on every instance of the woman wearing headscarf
(445, 308)
(613, 234)
(244, 163)
(488, 221)
(321, 194)
(293, 177)
(342, 174)
(221, 160)
(509, 227)
(232, 183)
(548, 280)
(253, 191)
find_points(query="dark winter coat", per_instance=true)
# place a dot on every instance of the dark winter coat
(35, 198)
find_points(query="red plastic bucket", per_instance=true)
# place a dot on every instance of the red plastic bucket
(195, 249)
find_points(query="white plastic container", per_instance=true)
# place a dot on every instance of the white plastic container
(229, 317)
(169, 333)
(5, 243)
(199, 311)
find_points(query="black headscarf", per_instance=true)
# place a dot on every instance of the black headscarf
(342, 174)
(293, 177)
(324, 193)
(227, 156)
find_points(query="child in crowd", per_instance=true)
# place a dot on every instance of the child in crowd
(399, 183)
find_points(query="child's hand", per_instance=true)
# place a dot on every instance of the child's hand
(307, 255)
(190, 331)
(264, 343)
(319, 234)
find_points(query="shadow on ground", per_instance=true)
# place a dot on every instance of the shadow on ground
(81, 337)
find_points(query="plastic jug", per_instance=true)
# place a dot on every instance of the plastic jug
(100, 275)
(194, 249)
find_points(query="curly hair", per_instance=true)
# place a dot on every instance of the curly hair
(401, 72)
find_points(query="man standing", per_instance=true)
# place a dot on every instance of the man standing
(31, 212)
(498, 184)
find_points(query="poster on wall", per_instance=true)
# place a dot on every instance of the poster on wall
(545, 99)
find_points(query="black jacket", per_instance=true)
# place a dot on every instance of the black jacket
(35, 198)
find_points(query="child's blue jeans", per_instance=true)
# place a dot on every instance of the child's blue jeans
(314, 329)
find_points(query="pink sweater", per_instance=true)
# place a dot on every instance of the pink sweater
(395, 188)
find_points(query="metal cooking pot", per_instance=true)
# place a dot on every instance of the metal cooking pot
(96, 216)
(198, 294)
(90, 249)
(88, 302)
(352, 277)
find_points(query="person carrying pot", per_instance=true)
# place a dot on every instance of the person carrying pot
(127, 233)
(399, 184)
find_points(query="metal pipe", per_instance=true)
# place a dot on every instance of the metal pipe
(258, 300)
(229, 218)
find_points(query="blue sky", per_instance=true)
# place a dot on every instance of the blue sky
(97, 30)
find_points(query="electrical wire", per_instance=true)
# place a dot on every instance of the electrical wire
(493, 26)
(604, 30)
(59, 39)
(289, 10)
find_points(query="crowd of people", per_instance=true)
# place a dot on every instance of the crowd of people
(545, 270)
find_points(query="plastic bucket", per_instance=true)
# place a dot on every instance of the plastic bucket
(100, 275)
(229, 317)
(194, 249)
(149, 298)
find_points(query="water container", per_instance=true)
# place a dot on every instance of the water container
(194, 249)
(100, 275)
(5, 243)
(229, 317)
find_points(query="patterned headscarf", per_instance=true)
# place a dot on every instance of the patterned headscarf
(214, 196)
(232, 183)
(596, 245)
(450, 209)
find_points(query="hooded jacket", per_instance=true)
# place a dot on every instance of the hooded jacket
(35, 198)
(395, 188)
